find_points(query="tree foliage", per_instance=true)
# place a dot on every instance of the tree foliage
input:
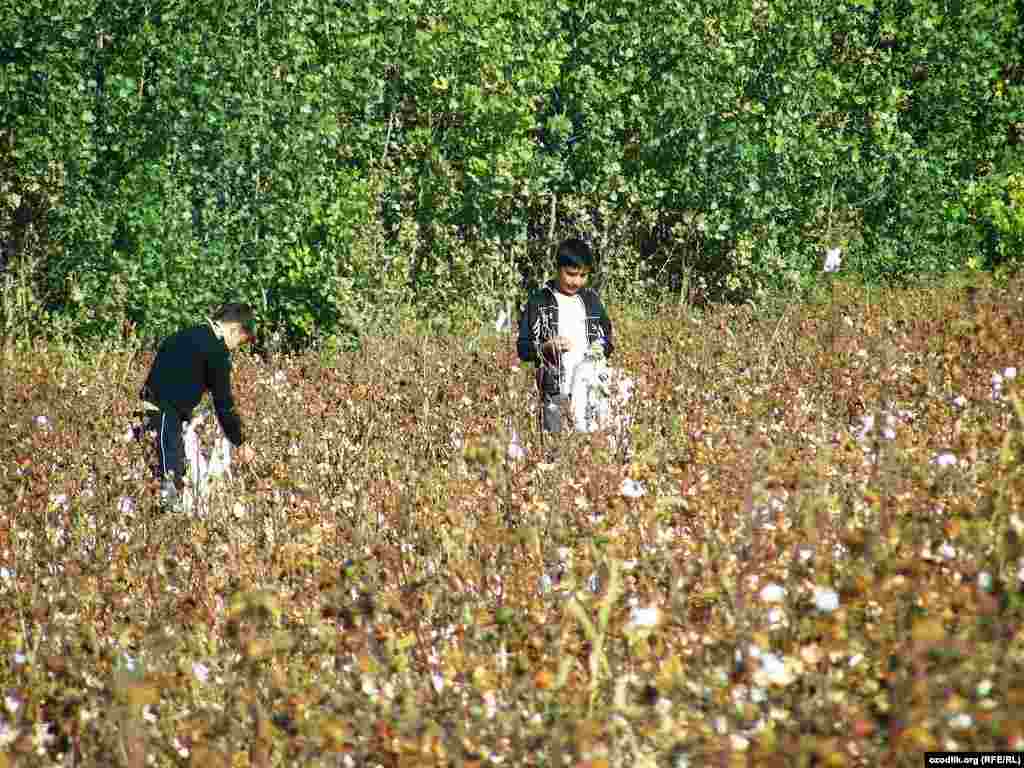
(328, 161)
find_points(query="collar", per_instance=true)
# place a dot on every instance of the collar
(217, 328)
(552, 287)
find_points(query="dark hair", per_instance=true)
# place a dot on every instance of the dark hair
(235, 312)
(574, 253)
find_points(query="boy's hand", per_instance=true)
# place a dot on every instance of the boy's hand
(245, 454)
(558, 344)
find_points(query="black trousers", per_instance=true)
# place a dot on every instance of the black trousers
(554, 409)
(166, 424)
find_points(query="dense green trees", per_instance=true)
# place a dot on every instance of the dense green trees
(328, 160)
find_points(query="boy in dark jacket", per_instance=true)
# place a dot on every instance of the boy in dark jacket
(189, 363)
(558, 325)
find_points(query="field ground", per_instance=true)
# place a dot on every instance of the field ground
(812, 556)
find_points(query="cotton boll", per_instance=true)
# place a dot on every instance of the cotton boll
(961, 721)
(644, 617)
(455, 441)
(503, 321)
(545, 584)
(739, 743)
(773, 593)
(867, 423)
(181, 749)
(772, 671)
(826, 599)
(833, 259)
(515, 448)
(632, 489)
(997, 386)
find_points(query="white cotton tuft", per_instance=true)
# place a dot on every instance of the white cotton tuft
(644, 617)
(503, 321)
(826, 599)
(515, 448)
(773, 593)
(632, 489)
(833, 259)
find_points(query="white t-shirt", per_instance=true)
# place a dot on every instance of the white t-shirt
(572, 323)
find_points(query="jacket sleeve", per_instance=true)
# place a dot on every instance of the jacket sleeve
(606, 326)
(223, 401)
(526, 344)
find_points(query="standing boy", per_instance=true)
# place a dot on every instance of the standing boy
(189, 363)
(559, 324)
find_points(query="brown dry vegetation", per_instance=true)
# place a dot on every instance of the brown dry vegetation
(368, 591)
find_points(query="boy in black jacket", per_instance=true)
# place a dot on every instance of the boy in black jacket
(189, 363)
(559, 324)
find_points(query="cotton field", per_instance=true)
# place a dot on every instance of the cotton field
(777, 537)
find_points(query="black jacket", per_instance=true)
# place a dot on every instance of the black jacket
(539, 323)
(189, 363)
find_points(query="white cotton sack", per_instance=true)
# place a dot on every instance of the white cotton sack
(599, 396)
(220, 459)
(195, 462)
(201, 470)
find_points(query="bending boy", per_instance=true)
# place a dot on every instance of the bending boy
(189, 363)
(559, 324)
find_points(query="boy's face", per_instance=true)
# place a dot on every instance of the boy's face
(238, 335)
(571, 279)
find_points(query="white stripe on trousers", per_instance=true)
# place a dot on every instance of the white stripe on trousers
(163, 448)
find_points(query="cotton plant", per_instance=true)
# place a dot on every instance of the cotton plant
(515, 450)
(1000, 378)
(764, 516)
(885, 424)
